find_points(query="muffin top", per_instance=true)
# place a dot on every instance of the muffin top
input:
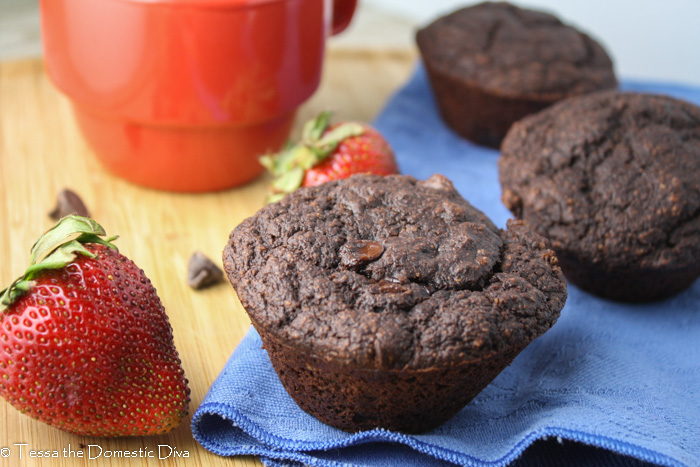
(391, 272)
(513, 51)
(610, 178)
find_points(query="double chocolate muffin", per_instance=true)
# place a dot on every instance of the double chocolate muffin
(613, 180)
(390, 302)
(493, 63)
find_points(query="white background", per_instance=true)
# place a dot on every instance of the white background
(648, 39)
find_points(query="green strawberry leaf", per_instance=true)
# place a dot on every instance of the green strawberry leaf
(306, 157)
(57, 248)
(289, 166)
(274, 197)
(269, 162)
(314, 128)
(289, 181)
(333, 138)
(85, 229)
(59, 258)
(13, 292)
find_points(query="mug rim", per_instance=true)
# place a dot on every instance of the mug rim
(203, 3)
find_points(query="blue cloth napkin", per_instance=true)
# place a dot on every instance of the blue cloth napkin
(609, 384)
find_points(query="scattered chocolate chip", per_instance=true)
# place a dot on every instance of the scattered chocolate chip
(356, 253)
(202, 272)
(68, 202)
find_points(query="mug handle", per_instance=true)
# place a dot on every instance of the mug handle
(342, 14)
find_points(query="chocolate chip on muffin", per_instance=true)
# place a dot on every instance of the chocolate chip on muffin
(390, 302)
(493, 63)
(613, 180)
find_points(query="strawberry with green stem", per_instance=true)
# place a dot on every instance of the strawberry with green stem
(328, 152)
(85, 344)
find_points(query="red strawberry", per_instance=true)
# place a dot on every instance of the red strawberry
(329, 152)
(85, 344)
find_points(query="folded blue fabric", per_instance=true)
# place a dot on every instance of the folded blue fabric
(625, 378)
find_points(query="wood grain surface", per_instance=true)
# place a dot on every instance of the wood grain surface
(41, 152)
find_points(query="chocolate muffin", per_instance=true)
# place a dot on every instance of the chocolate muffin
(613, 180)
(493, 63)
(390, 302)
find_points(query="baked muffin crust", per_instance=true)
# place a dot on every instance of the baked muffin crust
(613, 180)
(513, 51)
(391, 272)
(492, 64)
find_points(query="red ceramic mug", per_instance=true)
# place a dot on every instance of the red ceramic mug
(184, 95)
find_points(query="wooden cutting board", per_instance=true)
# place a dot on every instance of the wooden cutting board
(42, 152)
